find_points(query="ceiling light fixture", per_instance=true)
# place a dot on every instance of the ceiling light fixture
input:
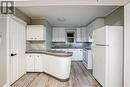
(61, 19)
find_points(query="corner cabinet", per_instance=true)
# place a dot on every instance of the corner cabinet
(58, 34)
(36, 32)
(34, 63)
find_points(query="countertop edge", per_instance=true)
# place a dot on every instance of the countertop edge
(52, 54)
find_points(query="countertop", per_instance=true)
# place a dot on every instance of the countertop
(88, 48)
(52, 52)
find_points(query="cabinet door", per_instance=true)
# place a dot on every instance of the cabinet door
(90, 63)
(38, 63)
(35, 32)
(58, 34)
(74, 57)
(29, 33)
(79, 54)
(61, 35)
(44, 33)
(79, 35)
(87, 33)
(84, 34)
(30, 63)
(55, 35)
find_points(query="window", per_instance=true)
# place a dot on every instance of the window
(70, 37)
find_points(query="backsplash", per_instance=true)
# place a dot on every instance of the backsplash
(35, 45)
(72, 45)
(41, 45)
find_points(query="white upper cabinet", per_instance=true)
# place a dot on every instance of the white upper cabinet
(84, 34)
(81, 34)
(36, 32)
(55, 35)
(58, 34)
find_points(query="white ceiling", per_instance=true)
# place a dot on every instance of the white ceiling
(74, 15)
(69, 2)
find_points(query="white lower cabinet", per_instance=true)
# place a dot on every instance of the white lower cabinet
(77, 53)
(49, 64)
(29, 62)
(38, 63)
(34, 63)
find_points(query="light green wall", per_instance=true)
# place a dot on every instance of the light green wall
(22, 16)
(116, 18)
(38, 22)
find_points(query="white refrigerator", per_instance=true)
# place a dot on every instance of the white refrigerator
(108, 55)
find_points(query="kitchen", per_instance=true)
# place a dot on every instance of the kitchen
(53, 48)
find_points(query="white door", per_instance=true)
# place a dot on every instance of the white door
(21, 48)
(13, 50)
(17, 49)
(19, 53)
(100, 36)
(99, 63)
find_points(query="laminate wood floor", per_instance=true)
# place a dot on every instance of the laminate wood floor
(79, 77)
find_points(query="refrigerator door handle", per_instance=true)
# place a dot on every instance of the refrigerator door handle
(101, 45)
